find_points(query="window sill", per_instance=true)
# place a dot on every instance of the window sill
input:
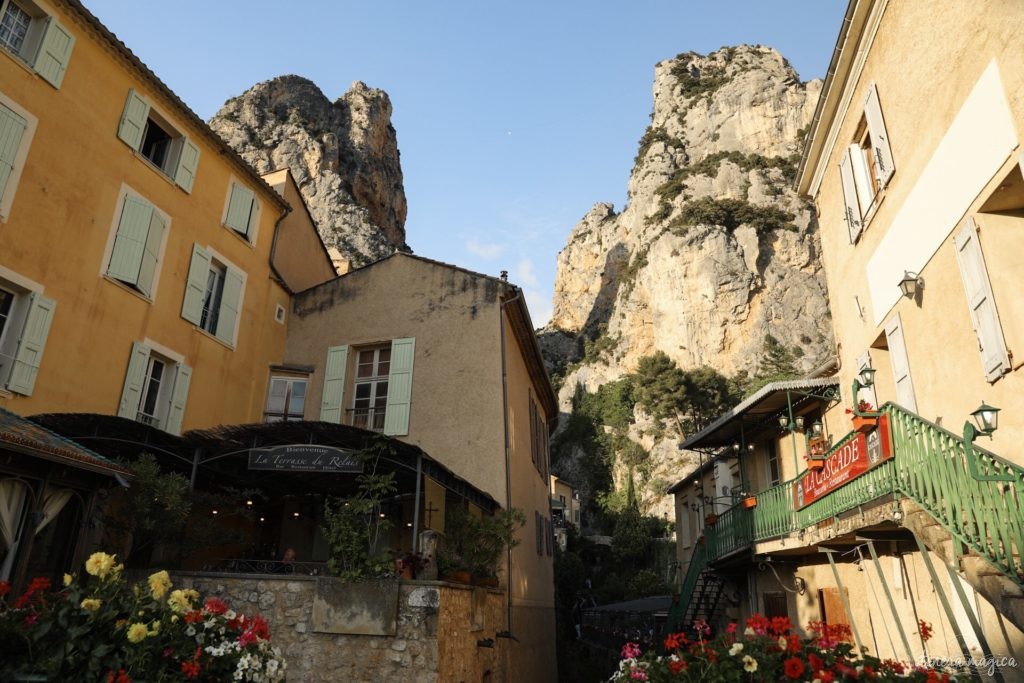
(23, 64)
(153, 167)
(214, 337)
(5, 393)
(128, 288)
(242, 238)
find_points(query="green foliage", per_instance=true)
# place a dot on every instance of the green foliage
(628, 277)
(702, 83)
(668, 393)
(476, 543)
(730, 214)
(778, 363)
(595, 349)
(647, 582)
(354, 528)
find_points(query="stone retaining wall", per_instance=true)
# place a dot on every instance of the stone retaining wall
(435, 637)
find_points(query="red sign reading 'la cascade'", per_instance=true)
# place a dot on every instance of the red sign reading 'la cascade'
(848, 462)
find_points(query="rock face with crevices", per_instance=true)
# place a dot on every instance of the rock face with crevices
(714, 252)
(343, 154)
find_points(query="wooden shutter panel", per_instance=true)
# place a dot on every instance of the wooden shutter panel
(240, 209)
(188, 161)
(195, 287)
(900, 364)
(230, 301)
(396, 418)
(54, 53)
(179, 396)
(852, 206)
(994, 356)
(12, 129)
(334, 384)
(130, 241)
(131, 395)
(879, 138)
(151, 253)
(30, 346)
(133, 119)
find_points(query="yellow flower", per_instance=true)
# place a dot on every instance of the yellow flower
(103, 565)
(68, 579)
(159, 584)
(174, 618)
(91, 604)
(749, 664)
(155, 628)
(137, 633)
(181, 599)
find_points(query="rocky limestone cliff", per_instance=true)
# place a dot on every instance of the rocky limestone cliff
(343, 155)
(713, 252)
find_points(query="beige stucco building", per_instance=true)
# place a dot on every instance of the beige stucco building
(445, 359)
(914, 163)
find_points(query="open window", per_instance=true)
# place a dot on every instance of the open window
(213, 295)
(155, 389)
(867, 166)
(25, 317)
(158, 141)
(36, 38)
(378, 386)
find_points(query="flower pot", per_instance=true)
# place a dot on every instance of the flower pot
(710, 520)
(459, 576)
(815, 464)
(864, 424)
(750, 502)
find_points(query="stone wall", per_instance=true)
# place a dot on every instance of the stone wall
(435, 639)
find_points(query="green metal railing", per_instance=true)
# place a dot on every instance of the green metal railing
(698, 562)
(730, 532)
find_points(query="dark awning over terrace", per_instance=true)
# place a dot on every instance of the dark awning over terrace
(24, 436)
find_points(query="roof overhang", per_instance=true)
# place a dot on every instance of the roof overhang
(21, 435)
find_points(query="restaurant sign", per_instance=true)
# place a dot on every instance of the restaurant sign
(850, 461)
(304, 458)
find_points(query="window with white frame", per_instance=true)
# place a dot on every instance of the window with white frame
(378, 392)
(39, 40)
(286, 399)
(159, 141)
(155, 389)
(213, 294)
(867, 166)
(370, 388)
(242, 211)
(25, 318)
(138, 244)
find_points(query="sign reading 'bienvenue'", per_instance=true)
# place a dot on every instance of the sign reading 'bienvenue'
(304, 458)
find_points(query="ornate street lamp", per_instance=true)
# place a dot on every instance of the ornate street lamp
(986, 418)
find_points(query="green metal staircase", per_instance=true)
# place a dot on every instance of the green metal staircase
(956, 496)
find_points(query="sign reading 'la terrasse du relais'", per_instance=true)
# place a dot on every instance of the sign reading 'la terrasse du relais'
(847, 463)
(304, 458)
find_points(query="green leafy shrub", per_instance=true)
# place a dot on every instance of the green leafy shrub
(730, 214)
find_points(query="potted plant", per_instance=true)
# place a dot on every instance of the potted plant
(864, 418)
(814, 464)
(473, 545)
(749, 501)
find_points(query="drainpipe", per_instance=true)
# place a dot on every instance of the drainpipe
(508, 450)
(273, 248)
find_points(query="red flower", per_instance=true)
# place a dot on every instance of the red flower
(120, 677)
(215, 606)
(925, 629)
(676, 666)
(193, 617)
(792, 643)
(5, 588)
(40, 583)
(674, 641)
(781, 625)
(793, 668)
(191, 670)
(815, 661)
(759, 623)
(826, 676)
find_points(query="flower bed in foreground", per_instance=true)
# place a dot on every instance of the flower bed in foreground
(103, 629)
(767, 650)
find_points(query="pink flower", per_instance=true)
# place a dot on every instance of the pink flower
(630, 651)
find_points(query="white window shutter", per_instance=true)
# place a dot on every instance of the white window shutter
(130, 241)
(334, 384)
(151, 253)
(29, 355)
(230, 302)
(879, 138)
(12, 129)
(240, 209)
(188, 161)
(54, 53)
(396, 419)
(179, 396)
(866, 393)
(133, 119)
(852, 205)
(900, 364)
(995, 358)
(195, 287)
(134, 379)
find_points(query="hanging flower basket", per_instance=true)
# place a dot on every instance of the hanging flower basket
(711, 519)
(864, 424)
(750, 502)
(817, 447)
(814, 464)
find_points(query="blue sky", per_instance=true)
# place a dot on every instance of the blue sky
(513, 119)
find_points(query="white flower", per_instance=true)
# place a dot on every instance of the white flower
(783, 642)
(735, 649)
(748, 631)
(750, 664)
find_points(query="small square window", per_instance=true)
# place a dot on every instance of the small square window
(279, 313)
(286, 399)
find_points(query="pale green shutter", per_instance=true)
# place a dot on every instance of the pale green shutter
(130, 241)
(30, 347)
(135, 378)
(151, 253)
(905, 395)
(12, 129)
(178, 398)
(851, 203)
(396, 419)
(334, 384)
(984, 317)
(230, 300)
(240, 209)
(54, 53)
(884, 167)
(187, 163)
(133, 119)
(195, 288)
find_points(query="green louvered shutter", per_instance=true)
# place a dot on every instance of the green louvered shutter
(54, 53)
(230, 301)
(334, 384)
(396, 419)
(151, 253)
(133, 119)
(187, 163)
(240, 209)
(130, 242)
(195, 288)
(131, 396)
(12, 129)
(30, 347)
(178, 398)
